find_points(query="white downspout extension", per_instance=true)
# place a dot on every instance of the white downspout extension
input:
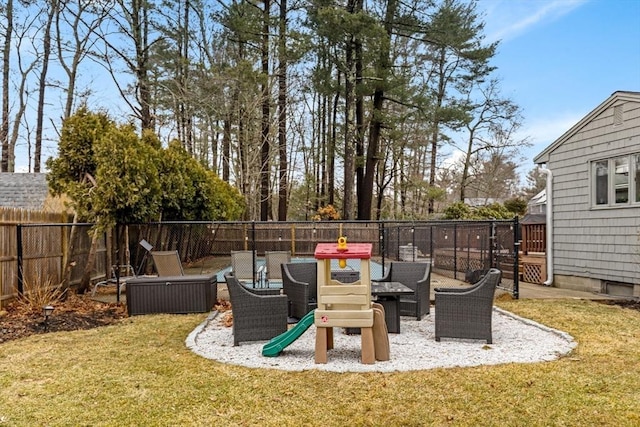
(549, 226)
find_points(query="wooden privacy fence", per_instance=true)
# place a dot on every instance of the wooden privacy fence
(38, 255)
(10, 218)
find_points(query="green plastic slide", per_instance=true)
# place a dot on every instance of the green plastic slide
(274, 347)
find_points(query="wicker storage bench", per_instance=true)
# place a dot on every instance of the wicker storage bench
(172, 294)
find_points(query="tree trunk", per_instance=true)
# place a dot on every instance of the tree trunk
(265, 168)
(6, 54)
(85, 282)
(365, 198)
(435, 127)
(359, 104)
(68, 266)
(226, 148)
(359, 131)
(46, 46)
(465, 170)
(350, 125)
(331, 149)
(282, 114)
(142, 70)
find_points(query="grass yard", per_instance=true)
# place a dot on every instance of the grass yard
(139, 373)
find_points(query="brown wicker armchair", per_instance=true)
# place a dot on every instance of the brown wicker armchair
(300, 285)
(466, 312)
(256, 315)
(417, 276)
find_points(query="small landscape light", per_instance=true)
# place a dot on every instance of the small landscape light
(47, 310)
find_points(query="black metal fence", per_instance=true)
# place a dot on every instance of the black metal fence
(457, 250)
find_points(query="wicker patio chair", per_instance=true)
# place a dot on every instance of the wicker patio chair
(466, 312)
(167, 263)
(417, 276)
(273, 261)
(256, 317)
(300, 285)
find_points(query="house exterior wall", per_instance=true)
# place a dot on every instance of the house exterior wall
(595, 244)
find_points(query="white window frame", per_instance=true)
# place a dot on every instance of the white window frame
(632, 184)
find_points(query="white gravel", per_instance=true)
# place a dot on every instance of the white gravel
(515, 340)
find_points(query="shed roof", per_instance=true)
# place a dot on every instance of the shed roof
(23, 190)
(537, 218)
(615, 98)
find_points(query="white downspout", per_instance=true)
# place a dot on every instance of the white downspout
(549, 226)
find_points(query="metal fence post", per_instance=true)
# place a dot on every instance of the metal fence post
(492, 243)
(432, 259)
(455, 251)
(413, 242)
(382, 243)
(516, 250)
(253, 251)
(19, 254)
(117, 261)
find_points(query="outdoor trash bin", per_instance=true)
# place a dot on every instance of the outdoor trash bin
(172, 294)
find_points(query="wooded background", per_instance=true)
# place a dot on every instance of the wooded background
(383, 109)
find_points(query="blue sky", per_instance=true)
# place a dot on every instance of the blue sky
(559, 59)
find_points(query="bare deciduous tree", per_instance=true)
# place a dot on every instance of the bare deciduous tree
(6, 66)
(52, 11)
(76, 24)
(492, 127)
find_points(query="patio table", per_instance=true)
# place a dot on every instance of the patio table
(388, 294)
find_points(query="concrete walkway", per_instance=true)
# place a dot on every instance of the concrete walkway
(530, 290)
(526, 290)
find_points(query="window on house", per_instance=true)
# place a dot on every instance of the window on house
(636, 177)
(602, 178)
(616, 181)
(621, 180)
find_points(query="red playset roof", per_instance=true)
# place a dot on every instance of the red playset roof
(352, 251)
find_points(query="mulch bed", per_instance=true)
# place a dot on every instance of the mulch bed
(632, 304)
(81, 312)
(76, 312)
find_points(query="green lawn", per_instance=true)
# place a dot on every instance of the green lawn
(139, 373)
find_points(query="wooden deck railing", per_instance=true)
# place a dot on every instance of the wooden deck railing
(534, 238)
